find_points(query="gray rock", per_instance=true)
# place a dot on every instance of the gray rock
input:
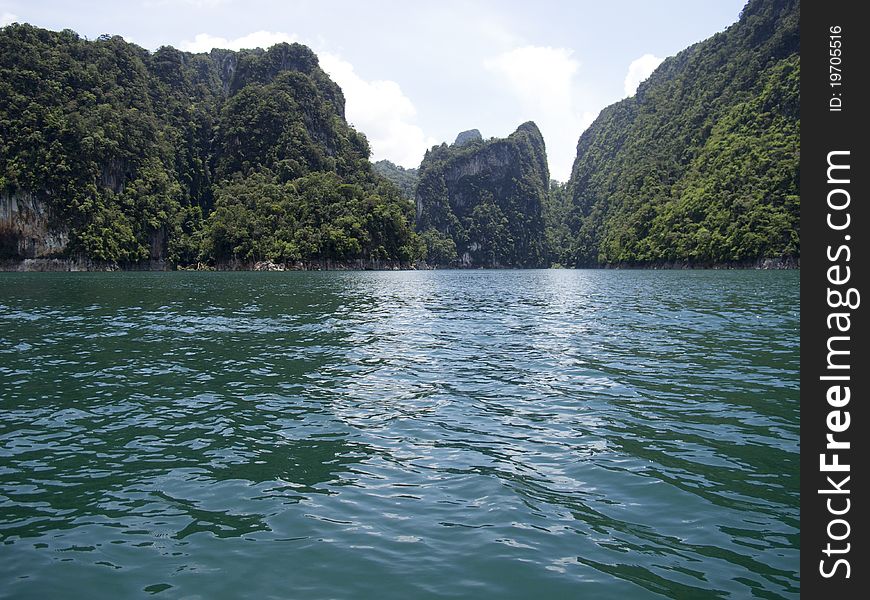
(466, 137)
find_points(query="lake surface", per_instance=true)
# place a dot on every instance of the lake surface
(450, 434)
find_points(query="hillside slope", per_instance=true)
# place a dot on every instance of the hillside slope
(113, 153)
(479, 203)
(700, 167)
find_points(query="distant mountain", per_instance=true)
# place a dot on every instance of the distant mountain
(701, 165)
(465, 137)
(120, 156)
(405, 179)
(480, 203)
(113, 153)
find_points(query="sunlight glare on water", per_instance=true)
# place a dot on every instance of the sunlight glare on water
(499, 434)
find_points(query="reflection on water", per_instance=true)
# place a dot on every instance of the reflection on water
(506, 434)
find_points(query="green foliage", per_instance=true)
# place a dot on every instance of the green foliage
(487, 197)
(404, 179)
(440, 248)
(245, 156)
(315, 217)
(701, 166)
(557, 209)
(191, 157)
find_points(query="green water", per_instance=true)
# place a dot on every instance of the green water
(487, 434)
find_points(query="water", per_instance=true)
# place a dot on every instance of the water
(486, 434)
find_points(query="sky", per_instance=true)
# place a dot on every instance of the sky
(416, 73)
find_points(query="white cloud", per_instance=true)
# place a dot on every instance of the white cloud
(207, 3)
(543, 79)
(378, 108)
(539, 75)
(639, 70)
(8, 18)
(194, 3)
(203, 42)
(491, 32)
(382, 111)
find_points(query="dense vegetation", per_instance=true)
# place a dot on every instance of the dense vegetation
(480, 203)
(404, 179)
(219, 157)
(556, 212)
(701, 165)
(231, 158)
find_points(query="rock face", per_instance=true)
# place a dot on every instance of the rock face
(465, 137)
(25, 228)
(479, 204)
(113, 154)
(33, 240)
(701, 165)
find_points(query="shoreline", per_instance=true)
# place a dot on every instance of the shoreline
(63, 265)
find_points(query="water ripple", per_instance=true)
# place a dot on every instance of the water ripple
(506, 434)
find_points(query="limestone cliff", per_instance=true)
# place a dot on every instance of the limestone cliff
(701, 166)
(113, 154)
(479, 204)
(466, 137)
(26, 230)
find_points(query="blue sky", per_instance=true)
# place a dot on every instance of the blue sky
(417, 73)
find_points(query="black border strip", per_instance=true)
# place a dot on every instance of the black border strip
(834, 104)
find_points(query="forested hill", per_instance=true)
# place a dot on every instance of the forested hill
(701, 165)
(405, 179)
(480, 203)
(114, 153)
